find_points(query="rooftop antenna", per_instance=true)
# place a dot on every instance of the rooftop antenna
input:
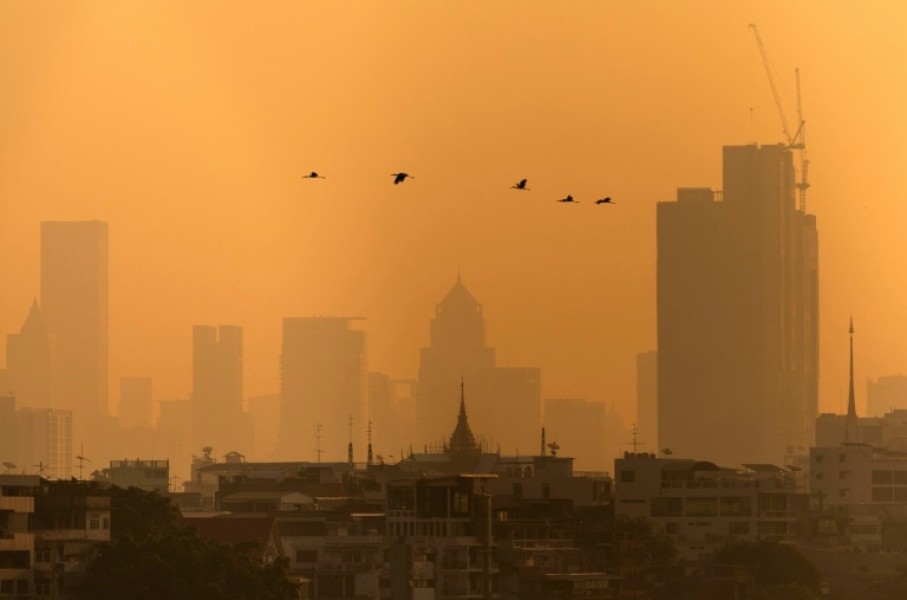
(81, 458)
(636, 443)
(41, 467)
(369, 460)
(318, 441)
(349, 448)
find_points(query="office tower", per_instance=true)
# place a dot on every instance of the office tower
(737, 304)
(173, 436)
(136, 408)
(322, 385)
(217, 390)
(74, 303)
(647, 397)
(45, 441)
(29, 358)
(886, 394)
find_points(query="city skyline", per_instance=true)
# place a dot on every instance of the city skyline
(592, 308)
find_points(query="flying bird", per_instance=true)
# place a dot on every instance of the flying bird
(399, 177)
(569, 198)
(606, 200)
(520, 185)
(313, 175)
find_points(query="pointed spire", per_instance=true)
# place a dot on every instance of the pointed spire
(851, 429)
(462, 438)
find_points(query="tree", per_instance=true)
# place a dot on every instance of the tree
(151, 556)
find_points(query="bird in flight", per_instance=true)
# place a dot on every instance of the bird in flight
(520, 185)
(606, 200)
(313, 175)
(399, 177)
(569, 198)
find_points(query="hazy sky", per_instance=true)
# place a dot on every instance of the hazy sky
(186, 126)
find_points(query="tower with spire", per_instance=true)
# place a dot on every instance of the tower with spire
(29, 356)
(463, 448)
(852, 423)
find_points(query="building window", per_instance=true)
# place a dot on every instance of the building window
(882, 478)
(672, 528)
(739, 528)
(882, 494)
(94, 522)
(666, 507)
(627, 476)
(42, 555)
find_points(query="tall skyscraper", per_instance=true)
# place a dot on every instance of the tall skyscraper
(322, 385)
(217, 390)
(74, 303)
(29, 358)
(738, 314)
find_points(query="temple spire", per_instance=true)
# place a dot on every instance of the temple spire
(462, 438)
(851, 423)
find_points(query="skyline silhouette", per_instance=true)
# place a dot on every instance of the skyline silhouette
(194, 160)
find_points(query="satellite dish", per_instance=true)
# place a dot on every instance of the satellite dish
(9, 465)
(667, 452)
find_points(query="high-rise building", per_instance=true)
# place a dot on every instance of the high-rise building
(507, 401)
(136, 407)
(322, 385)
(738, 314)
(217, 390)
(74, 303)
(456, 352)
(29, 358)
(45, 441)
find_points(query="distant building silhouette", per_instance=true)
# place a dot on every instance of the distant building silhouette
(885, 394)
(586, 430)
(391, 409)
(45, 441)
(29, 358)
(506, 401)
(217, 389)
(647, 397)
(322, 382)
(74, 300)
(136, 403)
(738, 314)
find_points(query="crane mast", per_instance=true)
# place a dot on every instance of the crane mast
(797, 141)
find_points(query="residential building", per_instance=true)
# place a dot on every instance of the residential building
(148, 475)
(702, 506)
(17, 536)
(217, 389)
(737, 301)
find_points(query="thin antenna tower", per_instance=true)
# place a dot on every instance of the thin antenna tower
(636, 443)
(318, 441)
(81, 458)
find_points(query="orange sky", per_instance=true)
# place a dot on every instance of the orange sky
(186, 126)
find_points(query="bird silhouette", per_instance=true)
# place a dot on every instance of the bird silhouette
(399, 177)
(520, 185)
(569, 198)
(313, 175)
(606, 200)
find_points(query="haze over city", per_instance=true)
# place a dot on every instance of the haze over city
(187, 128)
(442, 300)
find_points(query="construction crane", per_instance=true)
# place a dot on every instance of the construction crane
(797, 140)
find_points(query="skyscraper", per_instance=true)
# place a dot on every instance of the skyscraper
(74, 303)
(647, 397)
(217, 389)
(322, 385)
(738, 314)
(506, 401)
(29, 357)
(136, 404)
